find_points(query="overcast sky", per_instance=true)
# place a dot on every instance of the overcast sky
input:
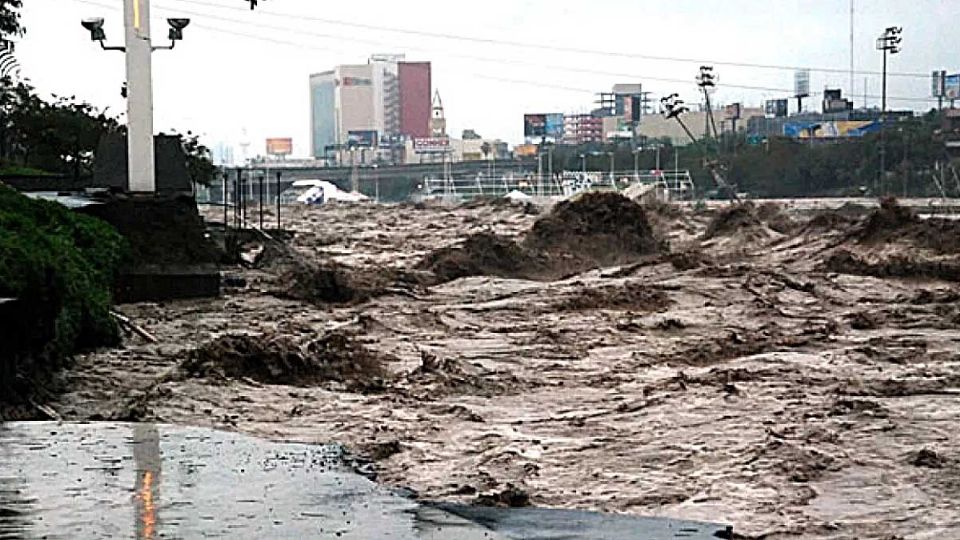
(241, 70)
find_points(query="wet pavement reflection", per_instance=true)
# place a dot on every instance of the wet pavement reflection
(87, 480)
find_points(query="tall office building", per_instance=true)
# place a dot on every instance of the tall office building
(323, 118)
(414, 87)
(365, 104)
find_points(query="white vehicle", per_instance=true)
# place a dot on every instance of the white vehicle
(319, 192)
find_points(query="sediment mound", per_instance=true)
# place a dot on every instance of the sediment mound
(483, 254)
(318, 283)
(776, 218)
(829, 220)
(602, 228)
(275, 359)
(595, 229)
(894, 223)
(895, 266)
(733, 220)
(630, 296)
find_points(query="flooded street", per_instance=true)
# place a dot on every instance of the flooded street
(778, 373)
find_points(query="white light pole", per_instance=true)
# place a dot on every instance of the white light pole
(141, 173)
(141, 170)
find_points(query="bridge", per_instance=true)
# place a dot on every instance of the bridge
(387, 182)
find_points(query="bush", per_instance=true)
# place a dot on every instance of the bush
(61, 267)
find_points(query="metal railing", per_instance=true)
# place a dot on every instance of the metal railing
(672, 185)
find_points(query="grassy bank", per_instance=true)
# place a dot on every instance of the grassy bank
(60, 267)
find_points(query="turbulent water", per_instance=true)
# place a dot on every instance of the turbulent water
(743, 381)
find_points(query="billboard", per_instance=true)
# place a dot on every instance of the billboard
(431, 145)
(776, 108)
(280, 146)
(951, 85)
(830, 130)
(937, 84)
(365, 138)
(534, 125)
(732, 112)
(801, 83)
(540, 126)
(525, 150)
(554, 126)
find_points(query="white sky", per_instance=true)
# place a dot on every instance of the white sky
(222, 79)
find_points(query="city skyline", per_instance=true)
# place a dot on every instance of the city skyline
(239, 70)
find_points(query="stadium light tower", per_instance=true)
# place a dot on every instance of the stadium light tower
(141, 172)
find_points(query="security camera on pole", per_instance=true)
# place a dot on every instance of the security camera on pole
(141, 173)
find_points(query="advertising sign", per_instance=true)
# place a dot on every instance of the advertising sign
(801, 83)
(280, 146)
(366, 138)
(554, 126)
(431, 145)
(534, 125)
(355, 81)
(937, 84)
(525, 150)
(732, 112)
(830, 130)
(776, 108)
(952, 86)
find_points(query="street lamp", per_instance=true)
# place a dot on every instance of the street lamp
(888, 43)
(636, 164)
(138, 49)
(95, 27)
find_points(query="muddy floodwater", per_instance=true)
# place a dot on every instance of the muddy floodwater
(792, 372)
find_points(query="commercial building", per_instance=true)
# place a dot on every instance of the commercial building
(582, 129)
(376, 104)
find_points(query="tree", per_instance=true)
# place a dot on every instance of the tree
(10, 19)
(199, 163)
(486, 149)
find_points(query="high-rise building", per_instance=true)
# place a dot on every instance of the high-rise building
(364, 104)
(415, 86)
(323, 118)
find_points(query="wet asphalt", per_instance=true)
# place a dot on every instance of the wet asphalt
(145, 481)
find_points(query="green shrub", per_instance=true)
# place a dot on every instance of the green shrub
(61, 266)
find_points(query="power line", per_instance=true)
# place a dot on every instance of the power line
(555, 48)
(498, 61)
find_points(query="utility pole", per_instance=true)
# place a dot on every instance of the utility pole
(851, 47)
(888, 42)
(707, 83)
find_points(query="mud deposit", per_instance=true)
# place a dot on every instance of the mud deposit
(739, 377)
